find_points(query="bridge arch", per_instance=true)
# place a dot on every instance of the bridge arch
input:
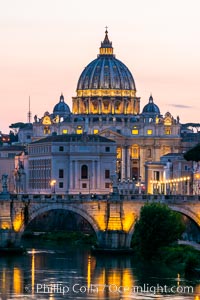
(185, 211)
(55, 206)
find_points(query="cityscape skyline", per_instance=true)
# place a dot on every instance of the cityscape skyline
(45, 47)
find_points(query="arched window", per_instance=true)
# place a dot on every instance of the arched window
(84, 172)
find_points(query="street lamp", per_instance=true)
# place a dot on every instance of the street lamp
(53, 185)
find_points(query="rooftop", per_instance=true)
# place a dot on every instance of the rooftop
(85, 138)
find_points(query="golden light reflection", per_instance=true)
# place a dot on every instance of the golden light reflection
(128, 221)
(100, 216)
(17, 222)
(4, 279)
(178, 279)
(197, 298)
(116, 278)
(127, 278)
(89, 272)
(197, 291)
(33, 270)
(17, 280)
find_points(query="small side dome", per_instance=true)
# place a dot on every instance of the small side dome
(151, 107)
(61, 109)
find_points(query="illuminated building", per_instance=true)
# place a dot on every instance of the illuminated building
(172, 175)
(106, 104)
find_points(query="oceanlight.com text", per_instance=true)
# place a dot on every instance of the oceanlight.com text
(77, 288)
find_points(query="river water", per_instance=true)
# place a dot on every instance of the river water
(58, 272)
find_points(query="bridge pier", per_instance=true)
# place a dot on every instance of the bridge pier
(9, 239)
(113, 240)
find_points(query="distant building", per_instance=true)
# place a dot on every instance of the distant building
(71, 164)
(7, 164)
(172, 175)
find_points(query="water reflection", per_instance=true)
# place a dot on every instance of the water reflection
(53, 274)
(113, 275)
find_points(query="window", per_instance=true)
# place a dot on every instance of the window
(96, 131)
(79, 129)
(47, 130)
(119, 153)
(61, 148)
(60, 185)
(107, 185)
(107, 173)
(65, 131)
(135, 152)
(149, 131)
(107, 149)
(156, 175)
(167, 130)
(11, 155)
(84, 185)
(135, 131)
(84, 172)
(61, 173)
(149, 153)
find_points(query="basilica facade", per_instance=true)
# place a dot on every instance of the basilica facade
(106, 105)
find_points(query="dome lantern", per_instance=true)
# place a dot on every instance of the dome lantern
(106, 46)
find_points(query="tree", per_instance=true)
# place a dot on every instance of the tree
(192, 125)
(158, 226)
(193, 154)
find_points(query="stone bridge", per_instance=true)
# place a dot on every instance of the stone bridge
(112, 219)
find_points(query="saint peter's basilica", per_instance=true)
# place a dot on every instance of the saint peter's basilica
(107, 106)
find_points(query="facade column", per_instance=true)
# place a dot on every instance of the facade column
(128, 162)
(141, 163)
(93, 176)
(76, 181)
(99, 105)
(112, 106)
(157, 153)
(73, 173)
(78, 105)
(88, 106)
(124, 106)
(70, 175)
(96, 174)
(123, 164)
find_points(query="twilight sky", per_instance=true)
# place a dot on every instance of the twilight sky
(45, 44)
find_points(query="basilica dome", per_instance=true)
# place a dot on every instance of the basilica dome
(61, 108)
(106, 86)
(106, 72)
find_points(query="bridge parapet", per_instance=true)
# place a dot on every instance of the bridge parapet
(107, 197)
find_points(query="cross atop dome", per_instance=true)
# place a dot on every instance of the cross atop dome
(106, 46)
